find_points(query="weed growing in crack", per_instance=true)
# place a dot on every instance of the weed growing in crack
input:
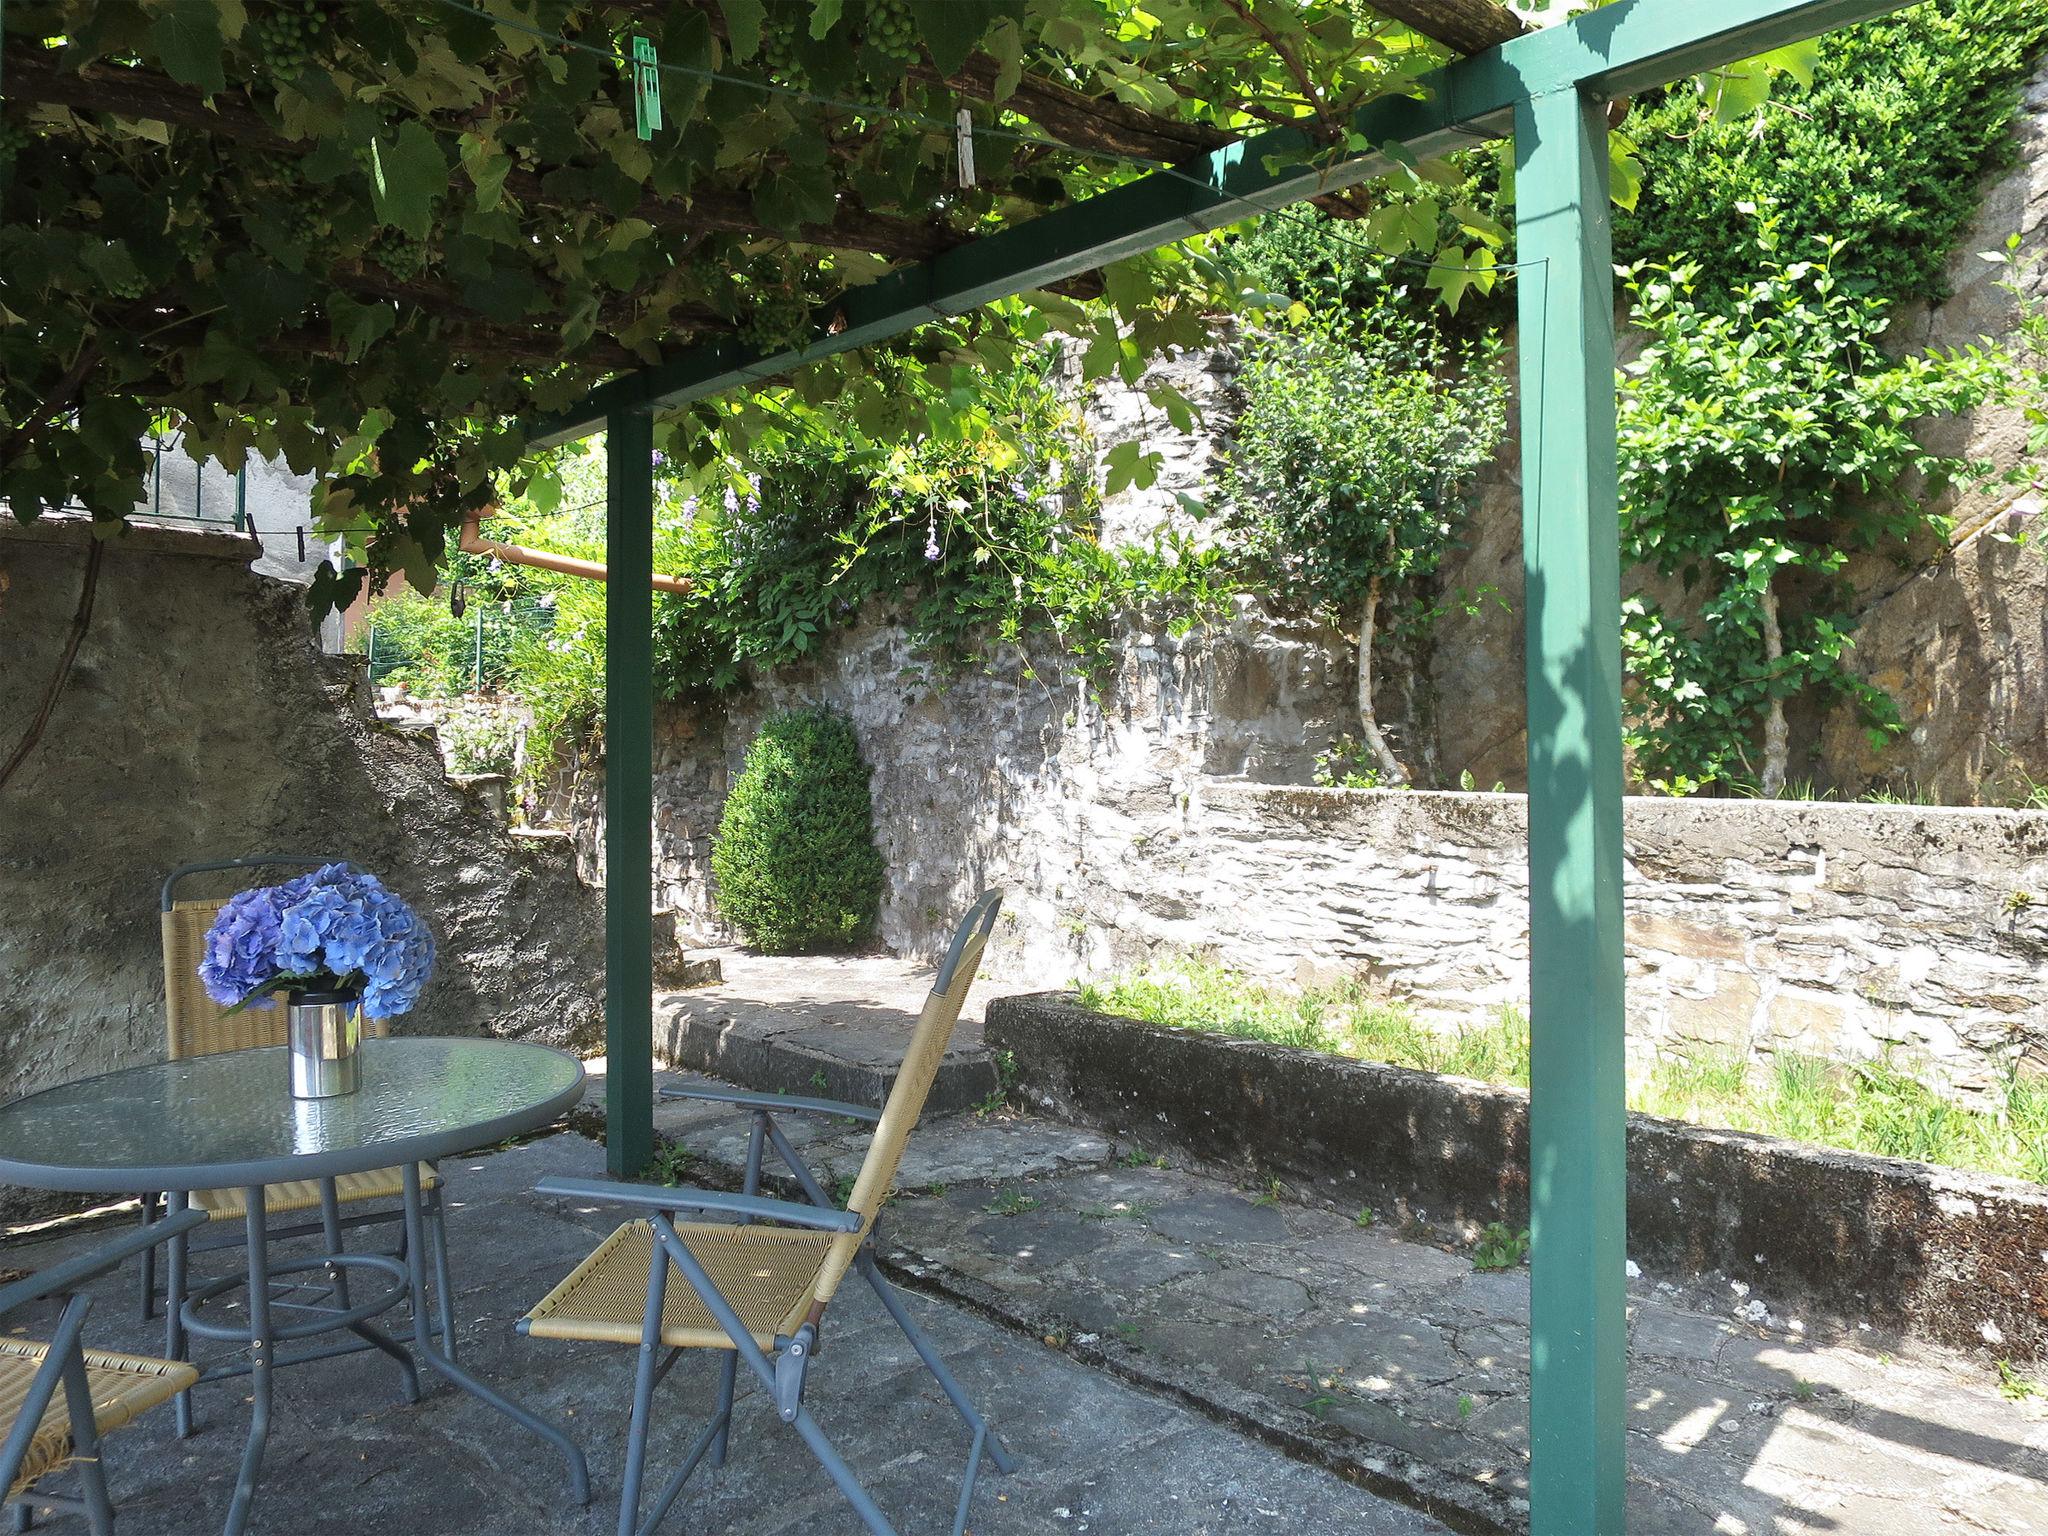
(1500, 1248)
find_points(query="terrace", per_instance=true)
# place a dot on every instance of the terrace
(1201, 1328)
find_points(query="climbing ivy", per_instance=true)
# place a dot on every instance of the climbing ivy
(1883, 148)
(972, 537)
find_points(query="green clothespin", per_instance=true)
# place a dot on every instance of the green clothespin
(646, 88)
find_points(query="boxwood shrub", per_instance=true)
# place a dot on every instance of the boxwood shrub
(795, 859)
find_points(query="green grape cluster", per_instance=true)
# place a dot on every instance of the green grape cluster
(778, 55)
(190, 239)
(778, 317)
(287, 33)
(890, 28)
(14, 138)
(132, 287)
(403, 258)
(306, 221)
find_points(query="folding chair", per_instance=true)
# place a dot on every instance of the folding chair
(759, 1293)
(100, 1392)
(195, 1025)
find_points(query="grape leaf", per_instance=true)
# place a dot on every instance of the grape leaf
(951, 29)
(743, 20)
(187, 37)
(824, 16)
(406, 177)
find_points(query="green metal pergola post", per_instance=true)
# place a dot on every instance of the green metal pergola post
(1550, 88)
(629, 793)
(1572, 609)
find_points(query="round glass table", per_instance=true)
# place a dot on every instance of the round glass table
(229, 1122)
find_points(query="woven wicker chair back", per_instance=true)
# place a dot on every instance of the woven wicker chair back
(195, 1025)
(928, 1045)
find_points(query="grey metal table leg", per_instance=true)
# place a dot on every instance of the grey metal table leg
(416, 1261)
(174, 1310)
(444, 1285)
(337, 1276)
(261, 1348)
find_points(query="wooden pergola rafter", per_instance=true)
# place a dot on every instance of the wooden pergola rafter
(1550, 90)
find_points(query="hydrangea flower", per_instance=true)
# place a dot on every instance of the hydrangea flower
(336, 929)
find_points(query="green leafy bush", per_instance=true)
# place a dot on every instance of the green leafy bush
(1358, 439)
(1759, 444)
(971, 538)
(1885, 151)
(795, 857)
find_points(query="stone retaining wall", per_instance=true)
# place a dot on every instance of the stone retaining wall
(199, 723)
(1834, 1237)
(1130, 831)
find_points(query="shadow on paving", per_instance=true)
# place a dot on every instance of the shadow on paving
(346, 1455)
(1402, 1365)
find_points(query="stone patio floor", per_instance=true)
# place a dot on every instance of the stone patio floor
(347, 1455)
(1399, 1363)
(1389, 1356)
(1167, 1354)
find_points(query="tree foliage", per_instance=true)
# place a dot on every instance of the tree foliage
(375, 239)
(1352, 459)
(794, 859)
(1760, 445)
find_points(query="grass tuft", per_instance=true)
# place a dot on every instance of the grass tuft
(1878, 1107)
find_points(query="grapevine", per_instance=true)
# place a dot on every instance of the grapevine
(403, 258)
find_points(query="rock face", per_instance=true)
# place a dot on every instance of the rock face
(200, 723)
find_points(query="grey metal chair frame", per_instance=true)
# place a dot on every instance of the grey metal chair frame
(331, 1223)
(64, 1367)
(783, 1370)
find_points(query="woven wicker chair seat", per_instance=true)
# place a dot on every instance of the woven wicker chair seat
(769, 1274)
(123, 1386)
(304, 1194)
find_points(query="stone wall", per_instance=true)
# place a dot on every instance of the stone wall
(1841, 930)
(199, 723)
(1170, 819)
(974, 772)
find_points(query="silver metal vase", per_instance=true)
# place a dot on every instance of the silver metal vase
(323, 1031)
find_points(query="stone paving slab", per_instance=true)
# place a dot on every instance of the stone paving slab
(835, 1025)
(1398, 1362)
(347, 1456)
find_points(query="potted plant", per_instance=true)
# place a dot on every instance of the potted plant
(339, 945)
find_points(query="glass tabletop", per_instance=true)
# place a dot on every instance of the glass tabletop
(229, 1120)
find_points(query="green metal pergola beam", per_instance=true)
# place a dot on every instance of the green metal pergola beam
(1571, 613)
(629, 794)
(1550, 90)
(1612, 51)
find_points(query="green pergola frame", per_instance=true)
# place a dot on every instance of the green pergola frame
(1550, 89)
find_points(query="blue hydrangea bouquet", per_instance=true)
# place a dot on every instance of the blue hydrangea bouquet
(333, 930)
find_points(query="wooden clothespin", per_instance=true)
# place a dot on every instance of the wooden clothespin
(963, 139)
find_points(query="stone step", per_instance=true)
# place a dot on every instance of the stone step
(839, 1033)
